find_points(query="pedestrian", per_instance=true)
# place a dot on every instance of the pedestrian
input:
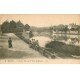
(10, 43)
(30, 44)
(34, 43)
(37, 45)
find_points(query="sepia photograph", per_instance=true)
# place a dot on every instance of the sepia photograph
(40, 38)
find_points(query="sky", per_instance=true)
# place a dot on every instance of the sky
(42, 20)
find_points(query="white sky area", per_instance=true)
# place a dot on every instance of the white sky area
(42, 20)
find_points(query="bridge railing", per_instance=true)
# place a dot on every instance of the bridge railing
(42, 50)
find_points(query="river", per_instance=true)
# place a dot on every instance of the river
(66, 38)
(42, 40)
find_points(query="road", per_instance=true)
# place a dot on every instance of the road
(19, 46)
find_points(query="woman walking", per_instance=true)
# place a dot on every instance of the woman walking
(10, 43)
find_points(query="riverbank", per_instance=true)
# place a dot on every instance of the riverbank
(57, 50)
(63, 50)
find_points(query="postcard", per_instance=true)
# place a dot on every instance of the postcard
(39, 38)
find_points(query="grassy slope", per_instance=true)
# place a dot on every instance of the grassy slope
(62, 49)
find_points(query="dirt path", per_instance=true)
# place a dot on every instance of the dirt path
(19, 46)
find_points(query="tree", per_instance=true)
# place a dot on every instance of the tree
(54, 28)
(0, 30)
(65, 29)
(12, 24)
(61, 27)
(19, 24)
(5, 26)
(27, 27)
(31, 34)
(73, 26)
(51, 30)
(78, 29)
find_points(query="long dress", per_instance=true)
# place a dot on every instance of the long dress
(10, 43)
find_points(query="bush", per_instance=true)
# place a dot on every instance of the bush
(63, 49)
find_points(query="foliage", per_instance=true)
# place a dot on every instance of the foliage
(63, 49)
(13, 26)
(27, 27)
(31, 34)
(5, 26)
(64, 28)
